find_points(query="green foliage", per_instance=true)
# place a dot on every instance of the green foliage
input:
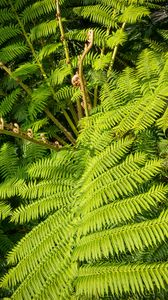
(92, 217)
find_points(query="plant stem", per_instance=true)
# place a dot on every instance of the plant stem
(114, 54)
(70, 122)
(95, 96)
(63, 39)
(25, 137)
(81, 75)
(73, 113)
(61, 127)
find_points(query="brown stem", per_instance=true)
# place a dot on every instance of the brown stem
(81, 73)
(25, 137)
(63, 39)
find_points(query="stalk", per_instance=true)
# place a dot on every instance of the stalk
(114, 54)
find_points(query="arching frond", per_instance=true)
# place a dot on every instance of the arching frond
(98, 280)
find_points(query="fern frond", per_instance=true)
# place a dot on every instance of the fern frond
(58, 76)
(118, 38)
(123, 210)
(39, 100)
(43, 30)
(133, 14)
(5, 210)
(128, 237)
(48, 49)
(25, 70)
(6, 15)
(97, 13)
(8, 32)
(37, 10)
(8, 161)
(97, 280)
(12, 52)
(8, 102)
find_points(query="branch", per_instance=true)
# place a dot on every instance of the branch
(32, 140)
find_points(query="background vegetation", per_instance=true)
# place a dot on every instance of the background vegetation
(83, 149)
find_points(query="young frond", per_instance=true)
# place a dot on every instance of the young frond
(8, 102)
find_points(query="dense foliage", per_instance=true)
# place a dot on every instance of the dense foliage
(87, 220)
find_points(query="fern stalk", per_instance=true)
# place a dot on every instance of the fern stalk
(26, 137)
(63, 39)
(114, 53)
(83, 87)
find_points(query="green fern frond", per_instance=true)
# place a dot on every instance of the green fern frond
(5, 243)
(13, 51)
(133, 14)
(11, 187)
(5, 210)
(118, 38)
(43, 30)
(37, 10)
(20, 3)
(98, 280)
(8, 32)
(131, 237)
(163, 121)
(39, 100)
(8, 102)
(58, 76)
(52, 241)
(25, 70)
(81, 35)
(39, 124)
(8, 161)
(6, 15)
(123, 210)
(48, 49)
(97, 13)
